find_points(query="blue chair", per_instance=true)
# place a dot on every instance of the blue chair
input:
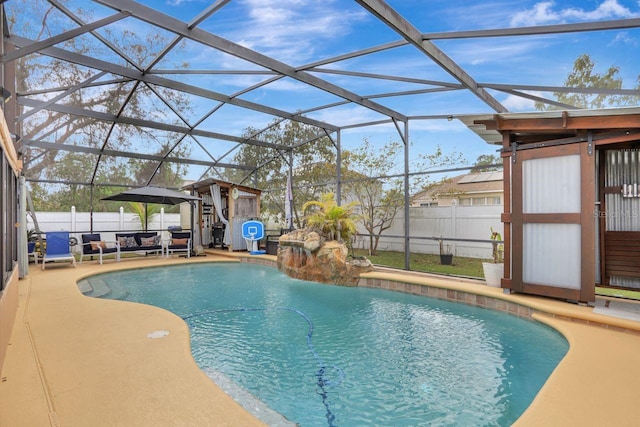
(31, 252)
(58, 248)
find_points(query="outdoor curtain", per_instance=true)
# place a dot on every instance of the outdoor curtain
(288, 205)
(217, 203)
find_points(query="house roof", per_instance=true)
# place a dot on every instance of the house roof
(473, 183)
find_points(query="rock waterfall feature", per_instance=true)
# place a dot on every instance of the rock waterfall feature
(303, 254)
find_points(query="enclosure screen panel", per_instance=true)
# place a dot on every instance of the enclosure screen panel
(551, 255)
(551, 185)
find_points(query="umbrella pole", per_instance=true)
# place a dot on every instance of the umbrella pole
(146, 218)
(191, 210)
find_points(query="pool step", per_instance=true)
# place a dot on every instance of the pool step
(84, 286)
(99, 289)
(248, 401)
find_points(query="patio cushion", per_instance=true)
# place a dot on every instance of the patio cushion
(144, 234)
(95, 244)
(147, 241)
(88, 243)
(181, 242)
(127, 242)
(133, 242)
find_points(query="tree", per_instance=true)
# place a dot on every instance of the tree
(330, 220)
(487, 163)
(584, 76)
(144, 212)
(41, 77)
(314, 160)
(380, 197)
(73, 168)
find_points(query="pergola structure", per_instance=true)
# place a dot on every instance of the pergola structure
(572, 205)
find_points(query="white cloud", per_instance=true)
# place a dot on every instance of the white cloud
(268, 28)
(476, 52)
(177, 2)
(444, 126)
(348, 114)
(609, 9)
(545, 13)
(517, 103)
(540, 14)
(623, 37)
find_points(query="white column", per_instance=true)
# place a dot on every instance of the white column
(73, 219)
(23, 258)
(454, 223)
(162, 231)
(74, 228)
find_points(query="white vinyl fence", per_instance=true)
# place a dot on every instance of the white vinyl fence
(105, 223)
(448, 222)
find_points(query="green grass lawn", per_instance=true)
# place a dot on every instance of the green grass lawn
(618, 293)
(470, 267)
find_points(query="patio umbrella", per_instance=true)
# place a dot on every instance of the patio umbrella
(288, 203)
(158, 195)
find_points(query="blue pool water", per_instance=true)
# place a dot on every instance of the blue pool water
(324, 355)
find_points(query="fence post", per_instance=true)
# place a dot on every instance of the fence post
(73, 219)
(121, 218)
(454, 221)
(162, 219)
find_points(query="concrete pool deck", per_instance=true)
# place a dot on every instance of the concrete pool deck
(78, 361)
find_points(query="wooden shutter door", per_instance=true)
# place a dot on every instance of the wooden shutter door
(553, 235)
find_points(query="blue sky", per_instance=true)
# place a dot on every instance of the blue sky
(329, 28)
(299, 32)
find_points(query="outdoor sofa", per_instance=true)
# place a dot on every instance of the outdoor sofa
(141, 243)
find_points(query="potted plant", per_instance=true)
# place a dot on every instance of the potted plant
(494, 271)
(446, 256)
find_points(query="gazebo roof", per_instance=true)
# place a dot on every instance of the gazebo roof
(478, 122)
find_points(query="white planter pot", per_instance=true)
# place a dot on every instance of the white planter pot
(493, 273)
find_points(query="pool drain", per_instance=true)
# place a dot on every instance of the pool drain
(157, 334)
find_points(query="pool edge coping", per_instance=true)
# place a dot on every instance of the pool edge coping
(560, 315)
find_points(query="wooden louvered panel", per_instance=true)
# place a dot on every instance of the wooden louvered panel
(622, 253)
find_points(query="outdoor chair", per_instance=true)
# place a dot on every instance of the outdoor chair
(58, 248)
(93, 245)
(180, 242)
(31, 252)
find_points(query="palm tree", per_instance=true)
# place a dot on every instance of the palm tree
(144, 212)
(330, 220)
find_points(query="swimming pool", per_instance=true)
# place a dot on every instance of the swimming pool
(325, 355)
